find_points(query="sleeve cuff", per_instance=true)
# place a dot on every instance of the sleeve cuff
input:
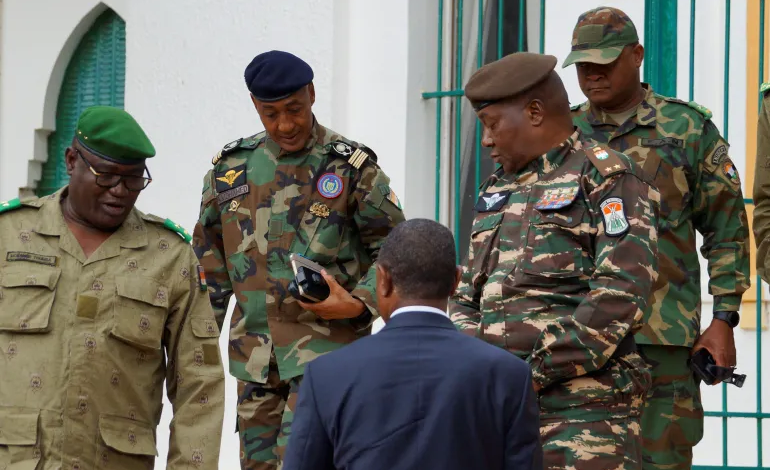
(727, 303)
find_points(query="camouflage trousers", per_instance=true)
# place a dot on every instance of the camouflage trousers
(265, 413)
(592, 422)
(599, 445)
(672, 420)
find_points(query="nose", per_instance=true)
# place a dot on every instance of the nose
(120, 190)
(486, 138)
(285, 125)
(592, 72)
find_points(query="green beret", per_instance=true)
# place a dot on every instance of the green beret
(113, 134)
(508, 77)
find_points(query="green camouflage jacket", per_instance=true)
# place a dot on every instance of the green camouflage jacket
(331, 203)
(681, 151)
(761, 194)
(561, 263)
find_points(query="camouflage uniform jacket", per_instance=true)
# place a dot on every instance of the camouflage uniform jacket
(549, 280)
(331, 203)
(681, 151)
(83, 345)
(762, 186)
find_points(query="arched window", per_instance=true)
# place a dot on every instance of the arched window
(96, 75)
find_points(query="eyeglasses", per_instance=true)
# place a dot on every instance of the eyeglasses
(110, 180)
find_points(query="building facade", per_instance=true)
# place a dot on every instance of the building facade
(178, 66)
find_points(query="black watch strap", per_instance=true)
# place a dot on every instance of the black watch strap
(731, 318)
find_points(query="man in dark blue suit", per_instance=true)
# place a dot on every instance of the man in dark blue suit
(418, 394)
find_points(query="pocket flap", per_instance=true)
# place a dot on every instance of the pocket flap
(204, 328)
(127, 436)
(568, 219)
(18, 427)
(144, 290)
(32, 276)
(487, 223)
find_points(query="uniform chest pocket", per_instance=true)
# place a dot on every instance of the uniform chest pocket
(673, 182)
(26, 298)
(554, 247)
(484, 233)
(140, 311)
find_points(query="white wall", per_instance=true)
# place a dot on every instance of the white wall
(372, 60)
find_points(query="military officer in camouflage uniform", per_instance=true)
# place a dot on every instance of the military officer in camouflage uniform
(298, 188)
(561, 263)
(681, 151)
(94, 295)
(762, 185)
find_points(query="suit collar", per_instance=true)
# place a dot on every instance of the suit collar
(419, 319)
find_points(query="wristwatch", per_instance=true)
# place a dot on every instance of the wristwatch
(731, 318)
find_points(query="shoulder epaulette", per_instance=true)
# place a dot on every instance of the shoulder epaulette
(606, 161)
(700, 108)
(169, 224)
(10, 205)
(249, 143)
(356, 156)
(576, 107)
(764, 87)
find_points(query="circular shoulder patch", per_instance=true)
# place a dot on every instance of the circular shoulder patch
(329, 185)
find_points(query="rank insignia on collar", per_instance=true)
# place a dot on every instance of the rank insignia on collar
(614, 214)
(232, 177)
(329, 185)
(492, 202)
(320, 209)
(557, 198)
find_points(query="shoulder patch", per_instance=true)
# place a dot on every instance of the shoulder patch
(607, 162)
(10, 205)
(174, 227)
(249, 143)
(701, 109)
(169, 224)
(356, 157)
(764, 87)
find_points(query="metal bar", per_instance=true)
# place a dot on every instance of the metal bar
(438, 107)
(726, 111)
(692, 50)
(737, 414)
(479, 63)
(542, 26)
(522, 23)
(717, 467)
(760, 439)
(458, 124)
(500, 28)
(440, 94)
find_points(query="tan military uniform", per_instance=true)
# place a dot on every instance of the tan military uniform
(83, 346)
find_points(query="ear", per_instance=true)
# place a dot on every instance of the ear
(311, 90)
(458, 278)
(384, 282)
(638, 55)
(70, 157)
(535, 111)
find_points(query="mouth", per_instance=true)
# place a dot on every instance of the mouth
(291, 139)
(113, 208)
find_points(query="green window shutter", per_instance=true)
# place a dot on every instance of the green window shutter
(96, 75)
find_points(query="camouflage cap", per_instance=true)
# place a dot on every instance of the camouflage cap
(600, 35)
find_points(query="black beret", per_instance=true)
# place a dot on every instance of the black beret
(508, 77)
(274, 75)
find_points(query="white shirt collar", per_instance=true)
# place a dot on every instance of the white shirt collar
(419, 308)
